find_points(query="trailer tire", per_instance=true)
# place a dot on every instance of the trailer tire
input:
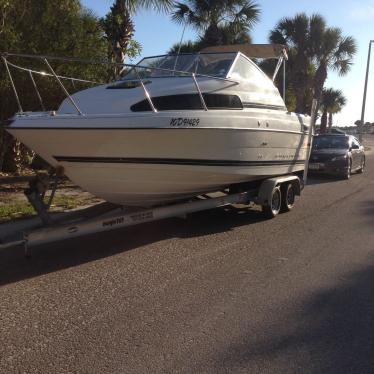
(273, 207)
(288, 197)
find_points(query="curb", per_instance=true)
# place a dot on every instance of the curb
(16, 179)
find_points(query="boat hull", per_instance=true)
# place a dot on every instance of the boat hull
(151, 166)
(147, 185)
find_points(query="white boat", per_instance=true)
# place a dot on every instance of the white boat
(173, 127)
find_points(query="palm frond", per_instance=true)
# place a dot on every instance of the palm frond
(333, 100)
(330, 41)
(343, 66)
(248, 14)
(300, 29)
(180, 13)
(235, 16)
(347, 47)
(317, 27)
(276, 36)
(160, 5)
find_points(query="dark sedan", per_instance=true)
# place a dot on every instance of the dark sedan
(337, 154)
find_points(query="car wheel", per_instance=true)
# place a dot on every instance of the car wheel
(273, 207)
(362, 168)
(348, 172)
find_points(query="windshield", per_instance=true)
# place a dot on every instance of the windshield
(214, 64)
(328, 142)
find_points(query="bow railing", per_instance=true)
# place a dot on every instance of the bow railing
(60, 78)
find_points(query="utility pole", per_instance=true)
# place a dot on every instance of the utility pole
(365, 91)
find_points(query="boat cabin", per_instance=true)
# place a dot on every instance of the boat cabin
(223, 77)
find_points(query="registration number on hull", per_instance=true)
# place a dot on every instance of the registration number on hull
(184, 122)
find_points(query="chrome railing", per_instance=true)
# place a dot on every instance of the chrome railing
(60, 78)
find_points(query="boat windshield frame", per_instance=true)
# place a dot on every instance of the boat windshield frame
(135, 70)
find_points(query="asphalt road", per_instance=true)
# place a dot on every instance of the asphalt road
(221, 292)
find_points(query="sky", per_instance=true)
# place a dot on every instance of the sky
(157, 33)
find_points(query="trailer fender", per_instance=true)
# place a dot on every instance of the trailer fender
(265, 191)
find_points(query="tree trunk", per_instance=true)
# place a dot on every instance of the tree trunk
(319, 81)
(300, 95)
(119, 34)
(2, 148)
(17, 156)
(299, 78)
(123, 43)
(323, 122)
(330, 122)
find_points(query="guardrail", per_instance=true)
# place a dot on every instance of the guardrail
(59, 78)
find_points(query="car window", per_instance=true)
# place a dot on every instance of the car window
(355, 143)
(328, 142)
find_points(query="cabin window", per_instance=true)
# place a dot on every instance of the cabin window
(189, 101)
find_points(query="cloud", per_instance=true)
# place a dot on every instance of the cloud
(363, 13)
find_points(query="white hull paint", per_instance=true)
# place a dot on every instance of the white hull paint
(124, 164)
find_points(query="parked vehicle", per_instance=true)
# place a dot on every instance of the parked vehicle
(337, 155)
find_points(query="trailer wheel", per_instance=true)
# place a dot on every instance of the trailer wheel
(273, 207)
(288, 197)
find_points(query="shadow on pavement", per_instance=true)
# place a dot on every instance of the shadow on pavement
(332, 332)
(368, 208)
(322, 178)
(52, 257)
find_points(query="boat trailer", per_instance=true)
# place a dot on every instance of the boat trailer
(274, 195)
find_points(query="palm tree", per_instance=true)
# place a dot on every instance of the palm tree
(314, 49)
(184, 47)
(331, 50)
(332, 102)
(218, 21)
(298, 33)
(119, 27)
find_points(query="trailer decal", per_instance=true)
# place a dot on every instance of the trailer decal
(114, 222)
(142, 216)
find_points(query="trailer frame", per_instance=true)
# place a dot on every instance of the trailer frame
(120, 216)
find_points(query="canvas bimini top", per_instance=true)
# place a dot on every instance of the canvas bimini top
(263, 51)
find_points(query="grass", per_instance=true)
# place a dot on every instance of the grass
(67, 202)
(17, 207)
